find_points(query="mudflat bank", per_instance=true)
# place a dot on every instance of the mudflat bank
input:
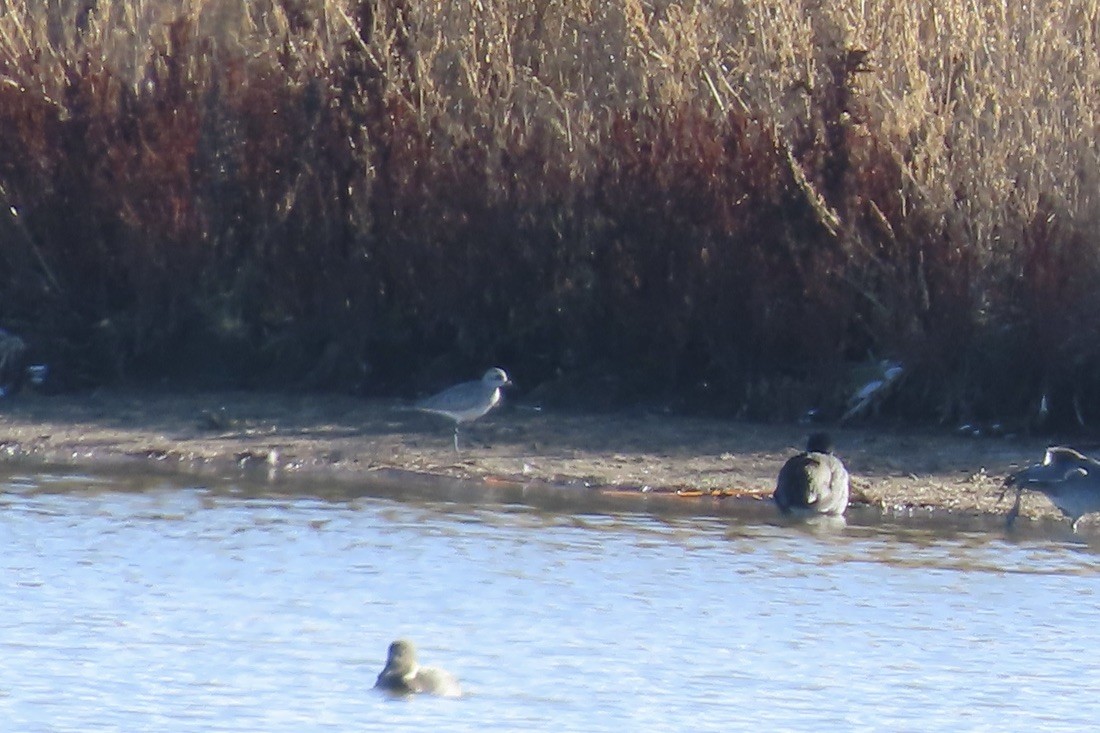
(334, 436)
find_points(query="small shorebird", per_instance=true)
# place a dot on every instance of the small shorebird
(814, 482)
(403, 676)
(1069, 479)
(467, 401)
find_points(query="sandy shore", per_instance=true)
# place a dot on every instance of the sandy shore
(331, 436)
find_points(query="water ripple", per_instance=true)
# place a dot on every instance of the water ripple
(187, 608)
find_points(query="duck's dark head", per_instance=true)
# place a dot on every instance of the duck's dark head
(401, 658)
(819, 443)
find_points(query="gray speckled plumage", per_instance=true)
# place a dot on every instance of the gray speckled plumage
(814, 482)
(467, 401)
(403, 676)
(1069, 479)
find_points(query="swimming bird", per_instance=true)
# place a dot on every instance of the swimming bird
(814, 482)
(1069, 479)
(467, 401)
(402, 675)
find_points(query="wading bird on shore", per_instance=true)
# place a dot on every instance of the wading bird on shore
(402, 675)
(1069, 479)
(814, 482)
(467, 401)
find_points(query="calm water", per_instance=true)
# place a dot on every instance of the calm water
(188, 609)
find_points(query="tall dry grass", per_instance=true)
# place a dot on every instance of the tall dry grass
(735, 202)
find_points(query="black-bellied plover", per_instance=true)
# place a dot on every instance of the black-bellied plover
(814, 482)
(1069, 479)
(467, 401)
(402, 675)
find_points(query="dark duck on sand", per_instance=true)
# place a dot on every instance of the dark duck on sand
(814, 482)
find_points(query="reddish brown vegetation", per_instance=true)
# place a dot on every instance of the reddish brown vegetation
(730, 206)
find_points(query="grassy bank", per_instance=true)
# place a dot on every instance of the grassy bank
(734, 202)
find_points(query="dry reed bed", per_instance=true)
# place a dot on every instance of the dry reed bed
(732, 201)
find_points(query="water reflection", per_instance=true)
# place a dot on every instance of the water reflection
(217, 608)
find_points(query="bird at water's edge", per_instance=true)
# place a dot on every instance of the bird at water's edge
(814, 482)
(1069, 479)
(467, 401)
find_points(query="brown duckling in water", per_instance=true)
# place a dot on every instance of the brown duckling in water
(402, 675)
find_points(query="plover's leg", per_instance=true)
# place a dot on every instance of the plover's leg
(456, 437)
(1014, 511)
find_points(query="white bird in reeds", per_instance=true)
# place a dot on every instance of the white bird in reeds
(871, 395)
(467, 401)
